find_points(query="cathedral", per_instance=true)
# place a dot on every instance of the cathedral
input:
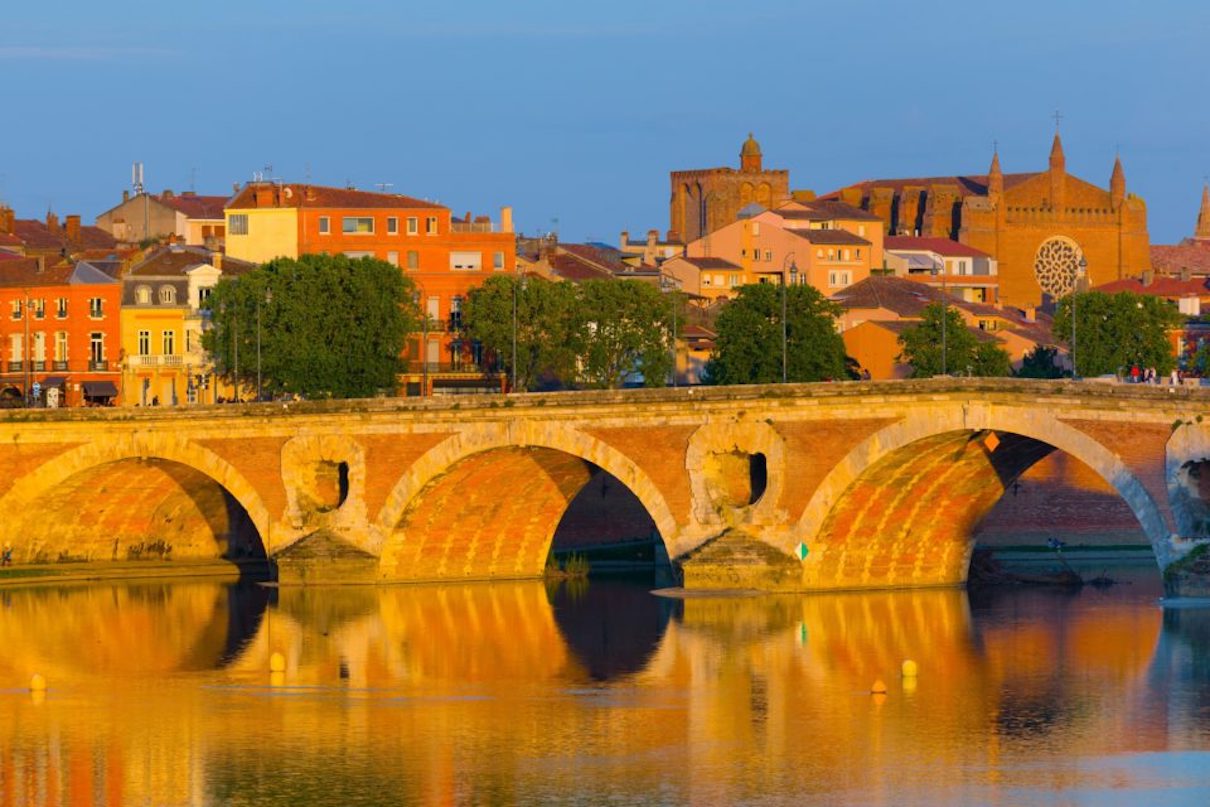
(1044, 228)
(706, 199)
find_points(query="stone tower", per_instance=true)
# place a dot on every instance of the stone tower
(1202, 233)
(706, 199)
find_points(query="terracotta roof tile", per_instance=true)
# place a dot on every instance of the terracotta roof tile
(942, 246)
(1161, 286)
(833, 237)
(1172, 258)
(300, 195)
(197, 207)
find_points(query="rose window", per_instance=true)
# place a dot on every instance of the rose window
(1056, 264)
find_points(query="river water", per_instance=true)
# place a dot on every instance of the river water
(161, 694)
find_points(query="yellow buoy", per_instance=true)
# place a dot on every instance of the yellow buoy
(277, 662)
(879, 688)
(909, 669)
(37, 683)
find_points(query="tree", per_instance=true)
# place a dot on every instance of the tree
(547, 327)
(625, 333)
(1115, 331)
(924, 344)
(1040, 363)
(330, 326)
(748, 349)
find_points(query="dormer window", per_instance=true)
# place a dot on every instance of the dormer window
(142, 295)
(167, 295)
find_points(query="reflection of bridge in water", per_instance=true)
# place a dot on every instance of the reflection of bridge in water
(410, 685)
(877, 484)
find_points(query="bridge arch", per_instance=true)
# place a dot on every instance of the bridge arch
(473, 473)
(928, 480)
(187, 463)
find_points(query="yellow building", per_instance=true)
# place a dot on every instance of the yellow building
(163, 363)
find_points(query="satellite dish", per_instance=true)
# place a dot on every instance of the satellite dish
(288, 192)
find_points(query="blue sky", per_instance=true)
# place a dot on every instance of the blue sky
(577, 111)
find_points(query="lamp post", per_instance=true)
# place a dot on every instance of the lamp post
(516, 282)
(29, 310)
(939, 269)
(268, 299)
(784, 334)
(1081, 268)
(667, 284)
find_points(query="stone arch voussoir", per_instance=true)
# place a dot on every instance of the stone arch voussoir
(140, 446)
(480, 438)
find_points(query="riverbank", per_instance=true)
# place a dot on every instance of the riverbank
(96, 571)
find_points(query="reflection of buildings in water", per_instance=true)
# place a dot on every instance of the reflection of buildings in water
(1178, 678)
(490, 693)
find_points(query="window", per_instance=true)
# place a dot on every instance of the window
(190, 340)
(356, 254)
(857, 253)
(861, 229)
(393, 258)
(39, 308)
(168, 342)
(433, 307)
(844, 254)
(413, 259)
(413, 225)
(237, 224)
(96, 307)
(325, 225)
(96, 347)
(17, 309)
(768, 254)
(962, 267)
(819, 253)
(455, 313)
(144, 343)
(167, 295)
(430, 225)
(40, 346)
(736, 280)
(357, 225)
(203, 295)
(838, 279)
(497, 260)
(756, 228)
(466, 261)
(392, 225)
(61, 308)
(16, 348)
(142, 295)
(706, 279)
(60, 346)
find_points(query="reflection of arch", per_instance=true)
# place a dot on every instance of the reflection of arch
(517, 476)
(613, 627)
(183, 461)
(902, 506)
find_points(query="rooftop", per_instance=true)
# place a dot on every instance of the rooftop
(942, 246)
(303, 195)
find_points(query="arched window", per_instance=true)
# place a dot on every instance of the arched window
(167, 295)
(142, 295)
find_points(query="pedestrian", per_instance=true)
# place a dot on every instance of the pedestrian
(1174, 378)
(6, 557)
(1134, 374)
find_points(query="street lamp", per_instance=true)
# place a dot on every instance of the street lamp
(29, 310)
(268, 299)
(667, 284)
(939, 269)
(1081, 268)
(784, 336)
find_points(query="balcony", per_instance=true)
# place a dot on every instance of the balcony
(15, 366)
(58, 365)
(98, 365)
(174, 360)
(38, 366)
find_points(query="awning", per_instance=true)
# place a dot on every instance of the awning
(100, 389)
(54, 381)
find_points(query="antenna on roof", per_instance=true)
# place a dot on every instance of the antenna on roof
(383, 186)
(136, 177)
(192, 180)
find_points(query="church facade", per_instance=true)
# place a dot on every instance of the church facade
(706, 199)
(1046, 229)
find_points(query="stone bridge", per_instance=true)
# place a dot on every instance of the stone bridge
(786, 487)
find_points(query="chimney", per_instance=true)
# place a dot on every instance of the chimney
(263, 196)
(506, 219)
(1148, 277)
(40, 265)
(624, 240)
(125, 196)
(652, 237)
(216, 260)
(52, 222)
(1186, 273)
(1031, 314)
(73, 227)
(7, 217)
(167, 194)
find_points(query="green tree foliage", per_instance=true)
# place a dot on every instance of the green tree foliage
(547, 327)
(1040, 363)
(923, 346)
(601, 333)
(748, 349)
(1115, 331)
(330, 326)
(625, 332)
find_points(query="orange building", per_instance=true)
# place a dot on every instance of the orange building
(443, 255)
(58, 331)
